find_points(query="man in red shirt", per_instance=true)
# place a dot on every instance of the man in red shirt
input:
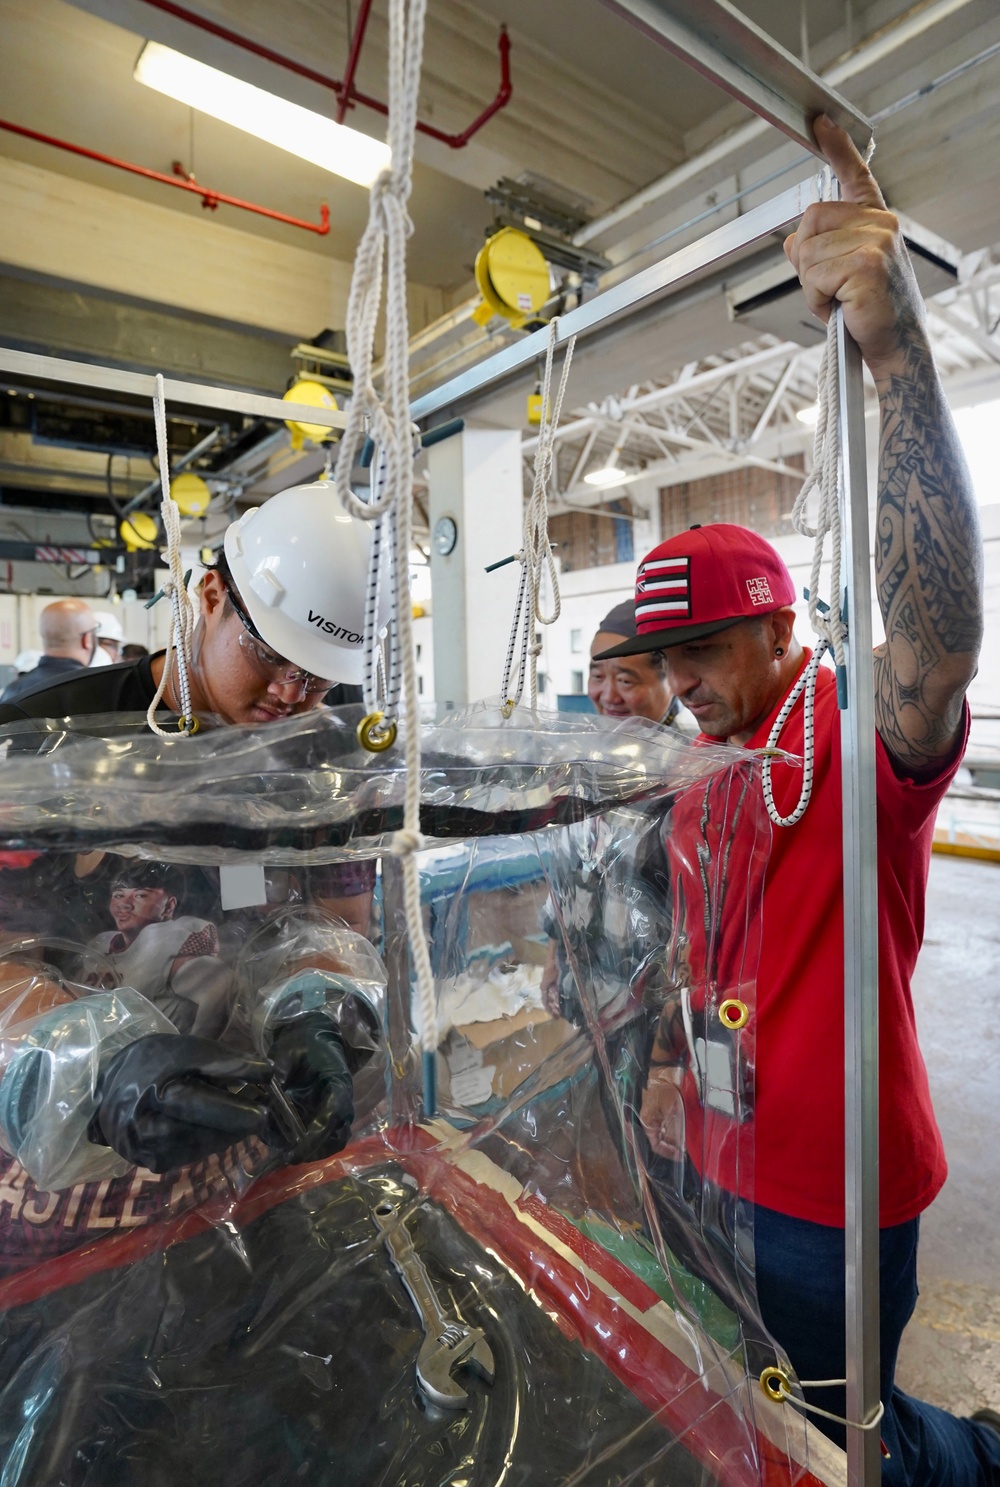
(716, 602)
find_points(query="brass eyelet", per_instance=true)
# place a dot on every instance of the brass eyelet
(375, 735)
(775, 1384)
(734, 1014)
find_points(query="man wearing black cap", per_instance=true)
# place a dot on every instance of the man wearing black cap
(630, 686)
(716, 603)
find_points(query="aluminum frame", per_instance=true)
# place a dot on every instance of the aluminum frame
(182, 394)
(629, 297)
(727, 48)
(857, 746)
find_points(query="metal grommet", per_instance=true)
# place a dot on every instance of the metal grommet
(734, 1014)
(373, 737)
(506, 708)
(182, 727)
(775, 1384)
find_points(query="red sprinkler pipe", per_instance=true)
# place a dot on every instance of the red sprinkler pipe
(345, 91)
(209, 197)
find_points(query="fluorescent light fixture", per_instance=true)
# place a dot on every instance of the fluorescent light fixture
(809, 416)
(290, 127)
(609, 476)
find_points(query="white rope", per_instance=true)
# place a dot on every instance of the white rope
(814, 1409)
(806, 683)
(826, 479)
(382, 250)
(535, 556)
(182, 616)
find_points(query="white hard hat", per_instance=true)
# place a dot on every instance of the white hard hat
(300, 563)
(108, 627)
(26, 661)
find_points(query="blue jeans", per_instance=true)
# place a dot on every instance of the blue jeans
(800, 1287)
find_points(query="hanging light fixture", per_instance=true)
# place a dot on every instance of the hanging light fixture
(334, 147)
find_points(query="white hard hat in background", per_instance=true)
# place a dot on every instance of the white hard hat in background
(300, 563)
(108, 627)
(26, 661)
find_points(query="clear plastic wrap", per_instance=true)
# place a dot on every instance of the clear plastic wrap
(551, 1280)
(51, 1065)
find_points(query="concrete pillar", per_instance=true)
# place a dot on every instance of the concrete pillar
(475, 481)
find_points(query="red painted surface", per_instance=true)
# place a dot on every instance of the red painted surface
(209, 197)
(708, 1424)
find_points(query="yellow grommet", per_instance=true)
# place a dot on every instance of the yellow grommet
(734, 1014)
(182, 727)
(775, 1384)
(371, 735)
(507, 707)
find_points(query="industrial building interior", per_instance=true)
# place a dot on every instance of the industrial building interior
(144, 235)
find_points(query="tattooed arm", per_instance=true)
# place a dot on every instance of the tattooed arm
(928, 565)
(928, 552)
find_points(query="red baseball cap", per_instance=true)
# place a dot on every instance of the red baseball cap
(701, 581)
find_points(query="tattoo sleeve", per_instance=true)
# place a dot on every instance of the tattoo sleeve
(928, 563)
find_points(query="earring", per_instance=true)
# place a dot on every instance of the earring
(779, 650)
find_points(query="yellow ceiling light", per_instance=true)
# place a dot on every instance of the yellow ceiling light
(512, 276)
(139, 532)
(334, 147)
(313, 395)
(191, 494)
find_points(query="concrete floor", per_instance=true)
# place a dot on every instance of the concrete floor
(951, 1350)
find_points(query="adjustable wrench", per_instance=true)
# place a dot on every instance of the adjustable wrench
(448, 1342)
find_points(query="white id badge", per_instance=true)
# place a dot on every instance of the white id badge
(242, 885)
(715, 1076)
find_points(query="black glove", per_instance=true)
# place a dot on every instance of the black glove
(311, 1068)
(167, 1100)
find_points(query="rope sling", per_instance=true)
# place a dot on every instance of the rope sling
(535, 556)
(387, 683)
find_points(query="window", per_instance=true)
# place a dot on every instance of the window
(576, 678)
(576, 641)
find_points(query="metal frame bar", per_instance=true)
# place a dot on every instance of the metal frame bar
(857, 733)
(184, 394)
(730, 50)
(627, 298)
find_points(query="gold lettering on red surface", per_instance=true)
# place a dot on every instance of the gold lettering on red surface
(38, 1212)
(12, 1191)
(95, 1218)
(140, 1178)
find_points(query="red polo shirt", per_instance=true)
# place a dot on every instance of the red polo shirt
(797, 1029)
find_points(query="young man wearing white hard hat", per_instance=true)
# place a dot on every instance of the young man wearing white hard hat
(281, 623)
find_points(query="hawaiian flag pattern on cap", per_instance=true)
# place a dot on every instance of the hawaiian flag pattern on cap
(662, 591)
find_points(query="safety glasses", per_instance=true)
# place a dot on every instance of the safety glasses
(261, 657)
